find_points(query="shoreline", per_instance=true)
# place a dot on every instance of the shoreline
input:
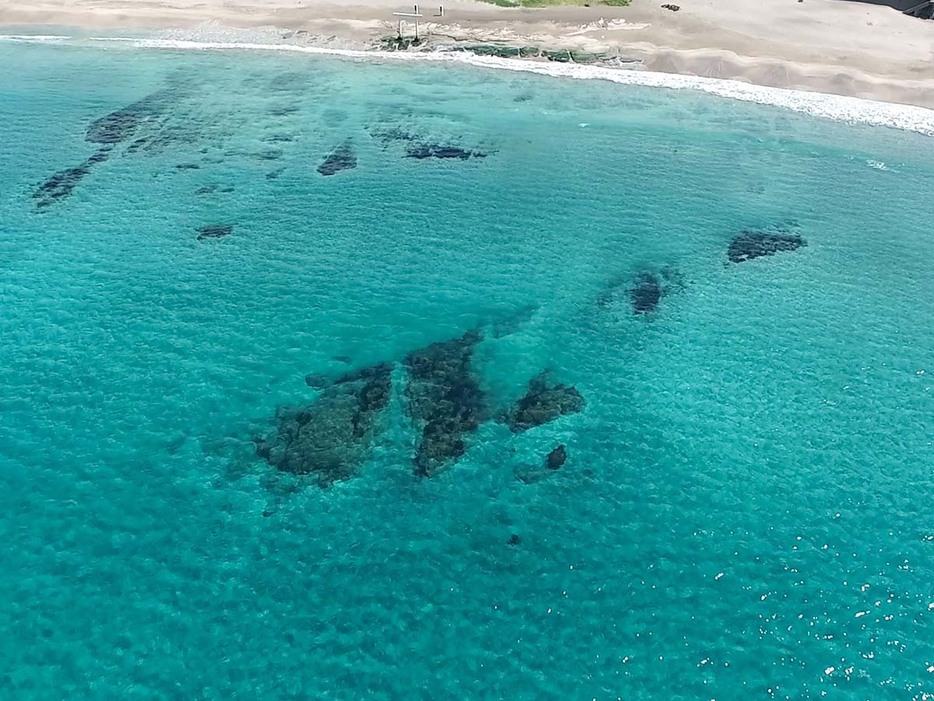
(828, 106)
(828, 46)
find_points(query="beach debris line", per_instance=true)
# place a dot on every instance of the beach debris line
(673, 8)
(756, 244)
(344, 157)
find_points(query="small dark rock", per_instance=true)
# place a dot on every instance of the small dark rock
(342, 158)
(514, 539)
(673, 8)
(214, 231)
(556, 458)
(544, 402)
(756, 244)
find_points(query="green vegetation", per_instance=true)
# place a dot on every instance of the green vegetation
(546, 3)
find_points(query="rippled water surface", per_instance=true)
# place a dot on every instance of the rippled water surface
(745, 508)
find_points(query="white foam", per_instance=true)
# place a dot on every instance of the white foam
(824, 105)
(34, 38)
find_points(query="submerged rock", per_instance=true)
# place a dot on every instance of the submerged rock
(62, 183)
(342, 158)
(120, 125)
(330, 438)
(556, 458)
(214, 231)
(317, 380)
(544, 402)
(756, 244)
(423, 151)
(444, 399)
(646, 293)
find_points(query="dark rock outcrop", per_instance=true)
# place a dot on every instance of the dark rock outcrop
(330, 438)
(556, 458)
(342, 158)
(445, 400)
(62, 183)
(214, 231)
(544, 402)
(756, 244)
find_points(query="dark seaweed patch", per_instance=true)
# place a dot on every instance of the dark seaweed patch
(756, 244)
(444, 399)
(342, 158)
(544, 402)
(330, 438)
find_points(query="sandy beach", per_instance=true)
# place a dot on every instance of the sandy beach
(846, 48)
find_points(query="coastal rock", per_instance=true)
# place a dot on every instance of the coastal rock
(756, 244)
(62, 183)
(342, 158)
(330, 438)
(556, 458)
(544, 402)
(214, 231)
(444, 399)
(423, 151)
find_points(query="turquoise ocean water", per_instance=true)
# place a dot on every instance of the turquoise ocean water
(746, 507)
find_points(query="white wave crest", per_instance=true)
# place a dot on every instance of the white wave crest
(34, 38)
(827, 106)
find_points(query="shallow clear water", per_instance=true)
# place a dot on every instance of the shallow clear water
(746, 507)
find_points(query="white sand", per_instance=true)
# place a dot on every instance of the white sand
(834, 46)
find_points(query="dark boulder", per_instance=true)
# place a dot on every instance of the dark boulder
(342, 158)
(330, 438)
(544, 402)
(445, 400)
(556, 458)
(756, 244)
(214, 231)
